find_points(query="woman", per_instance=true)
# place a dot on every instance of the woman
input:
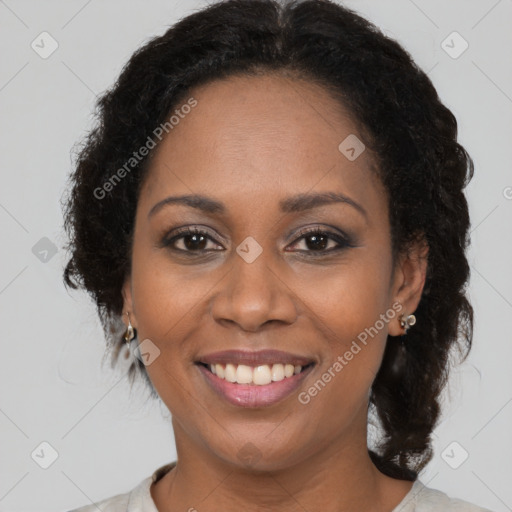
(273, 205)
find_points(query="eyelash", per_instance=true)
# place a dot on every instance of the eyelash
(342, 241)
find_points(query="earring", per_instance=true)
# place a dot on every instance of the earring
(130, 332)
(407, 321)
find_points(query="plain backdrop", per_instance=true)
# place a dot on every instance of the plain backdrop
(53, 387)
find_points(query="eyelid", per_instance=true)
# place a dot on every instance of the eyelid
(180, 232)
(325, 228)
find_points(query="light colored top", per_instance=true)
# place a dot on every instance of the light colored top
(419, 499)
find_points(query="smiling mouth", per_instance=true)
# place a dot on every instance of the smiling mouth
(260, 375)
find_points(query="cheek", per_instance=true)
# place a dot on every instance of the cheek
(163, 303)
(349, 297)
(352, 310)
(340, 390)
(164, 295)
(164, 307)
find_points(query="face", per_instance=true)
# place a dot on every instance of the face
(265, 268)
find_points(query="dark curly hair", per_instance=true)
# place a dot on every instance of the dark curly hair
(402, 121)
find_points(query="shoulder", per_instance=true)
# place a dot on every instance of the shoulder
(117, 503)
(424, 499)
(137, 500)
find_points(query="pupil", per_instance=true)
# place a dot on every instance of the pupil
(193, 244)
(319, 242)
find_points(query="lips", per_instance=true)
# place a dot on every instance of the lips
(250, 395)
(256, 358)
(263, 391)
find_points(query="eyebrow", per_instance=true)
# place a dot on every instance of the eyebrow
(297, 203)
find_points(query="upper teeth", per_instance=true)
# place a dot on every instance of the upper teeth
(259, 375)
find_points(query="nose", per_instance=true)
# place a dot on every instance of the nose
(253, 295)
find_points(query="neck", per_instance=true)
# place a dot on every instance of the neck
(339, 477)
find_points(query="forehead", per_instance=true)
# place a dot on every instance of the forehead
(250, 139)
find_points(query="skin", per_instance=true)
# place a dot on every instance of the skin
(249, 143)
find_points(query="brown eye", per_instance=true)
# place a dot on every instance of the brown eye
(191, 240)
(194, 241)
(317, 240)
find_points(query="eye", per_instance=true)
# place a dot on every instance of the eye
(315, 240)
(191, 240)
(321, 241)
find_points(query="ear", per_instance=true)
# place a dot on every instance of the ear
(408, 281)
(128, 303)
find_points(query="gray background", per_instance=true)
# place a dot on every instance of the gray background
(53, 388)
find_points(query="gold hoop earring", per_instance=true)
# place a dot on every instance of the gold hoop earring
(130, 331)
(407, 321)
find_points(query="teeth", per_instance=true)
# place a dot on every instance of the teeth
(277, 372)
(243, 374)
(259, 375)
(219, 371)
(262, 375)
(230, 373)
